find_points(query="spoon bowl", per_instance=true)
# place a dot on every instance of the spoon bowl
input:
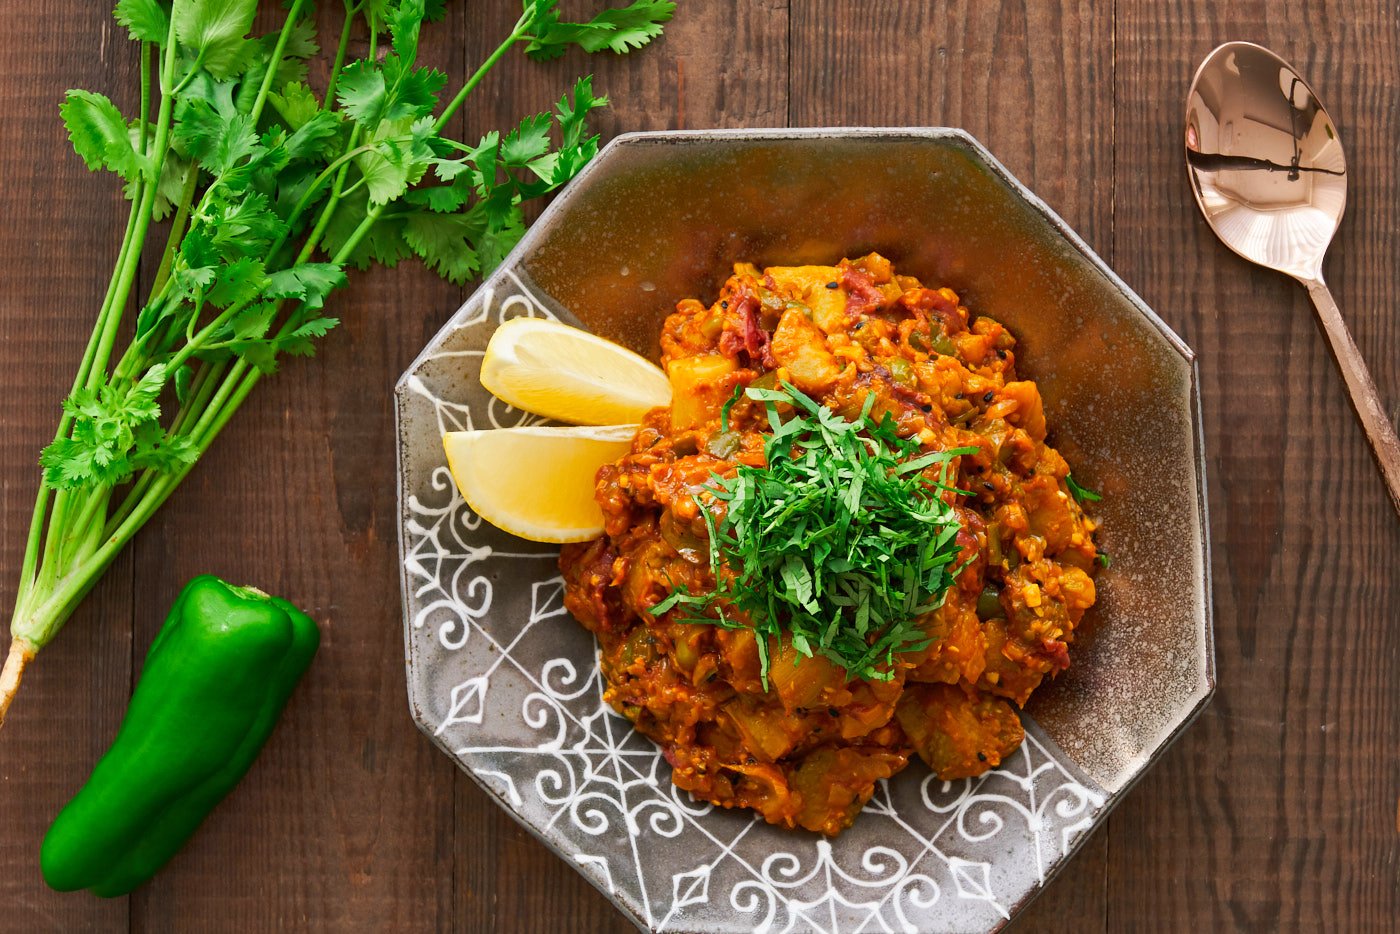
(1267, 168)
(1266, 163)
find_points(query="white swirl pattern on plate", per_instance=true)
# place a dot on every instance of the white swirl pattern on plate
(510, 686)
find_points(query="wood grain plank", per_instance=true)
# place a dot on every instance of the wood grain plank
(345, 821)
(1016, 76)
(56, 252)
(1028, 80)
(718, 64)
(1276, 811)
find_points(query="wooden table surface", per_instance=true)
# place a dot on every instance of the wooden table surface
(1279, 809)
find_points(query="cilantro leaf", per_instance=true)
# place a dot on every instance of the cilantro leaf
(316, 327)
(237, 282)
(632, 26)
(146, 20)
(238, 141)
(573, 113)
(107, 422)
(1080, 493)
(373, 94)
(385, 174)
(155, 449)
(500, 237)
(404, 21)
(444, 243)
(618, 30)
(314, 137)
(243, 227)
(299, 343)
(309, 283)
(439, 198)
(296, 104)
(217, 141)
(575, 151)
(362, 93)
(253, 322)
(214, 31)
(528, 141)
(99, 134)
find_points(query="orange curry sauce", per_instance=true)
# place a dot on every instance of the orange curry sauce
(808, 751)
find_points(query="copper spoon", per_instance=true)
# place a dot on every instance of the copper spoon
(1269, 174)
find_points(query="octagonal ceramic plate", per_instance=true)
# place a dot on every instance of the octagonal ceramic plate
(507, 684)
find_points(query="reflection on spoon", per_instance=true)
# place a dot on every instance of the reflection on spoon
(1215, 162)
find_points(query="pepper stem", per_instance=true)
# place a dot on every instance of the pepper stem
(21, 654)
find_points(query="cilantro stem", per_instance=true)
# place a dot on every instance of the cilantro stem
(324, 219)
(177, 228)
(132, 260)
(36, 540)
(287, 26)
(133, 496)
(519, 32)
(196, 342)
(94, 366)
(80, 531)
(340, 51)
(145, 94)
(201, 389)
(308, 197)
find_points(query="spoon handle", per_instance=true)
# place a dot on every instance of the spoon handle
(1364, 397)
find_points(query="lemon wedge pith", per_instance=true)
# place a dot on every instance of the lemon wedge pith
(536, 483)
(561, 372)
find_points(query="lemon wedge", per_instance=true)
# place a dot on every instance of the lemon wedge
(560, 372)
(536, 483)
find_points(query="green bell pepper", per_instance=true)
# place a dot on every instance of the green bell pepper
(216, 679)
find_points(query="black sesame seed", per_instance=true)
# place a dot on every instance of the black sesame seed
(724, 304)
(832, 285)
(988, 396)
(958, 396)
(926, 408)
(833, 712)
(987, 485)
(1001, 355)
(859, 325)
(981, 757)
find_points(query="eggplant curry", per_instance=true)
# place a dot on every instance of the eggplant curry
(844, 543)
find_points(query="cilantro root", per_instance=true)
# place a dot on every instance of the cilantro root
(272, 192)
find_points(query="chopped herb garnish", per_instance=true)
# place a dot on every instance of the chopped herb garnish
(1080, 493)
(1104, 558)
(842, 541)
(725, 409)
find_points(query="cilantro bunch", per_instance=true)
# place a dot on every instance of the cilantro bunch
(841, 541)
(271, 192)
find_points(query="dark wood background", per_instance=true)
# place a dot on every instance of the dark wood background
(1279, 809)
